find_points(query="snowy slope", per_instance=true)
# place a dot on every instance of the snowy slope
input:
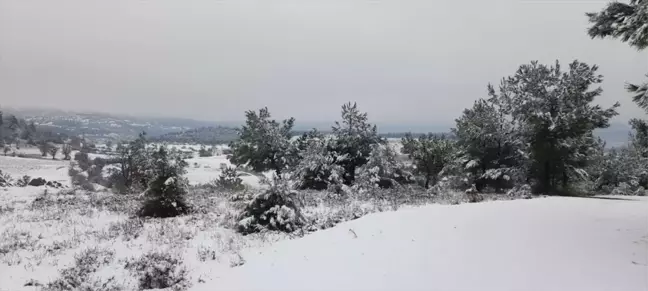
(540, 244)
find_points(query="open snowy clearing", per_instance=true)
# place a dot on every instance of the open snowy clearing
(540, 244)
(201, 170)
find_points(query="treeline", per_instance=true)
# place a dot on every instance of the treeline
(535, 130)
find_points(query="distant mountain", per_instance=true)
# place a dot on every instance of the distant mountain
(97, 126)
(202, 135)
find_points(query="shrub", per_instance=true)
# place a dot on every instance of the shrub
(157, 270)
(77, 276)
(6, 150)
(24, 181)
(204, 152)
(277, 208)
(82, 160)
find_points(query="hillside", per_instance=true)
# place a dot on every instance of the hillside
(97, 126)
(202, 135)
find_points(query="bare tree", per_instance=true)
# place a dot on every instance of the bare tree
(52, 151)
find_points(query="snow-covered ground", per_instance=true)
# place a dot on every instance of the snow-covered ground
(540, 244)
(54, 170)
(553, 243)
(201, 170)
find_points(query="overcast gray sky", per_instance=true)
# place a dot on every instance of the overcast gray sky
(405, 61)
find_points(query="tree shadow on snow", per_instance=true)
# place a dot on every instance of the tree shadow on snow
(607, 198)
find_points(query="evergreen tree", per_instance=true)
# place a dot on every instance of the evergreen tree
(354, 139)
(383, 168)
(556, 119)
(167, 188)
(318, 165)
(486, 136)
(264, 144)
(133, 161)
(430, 154)
(629, 23)
(623, 21)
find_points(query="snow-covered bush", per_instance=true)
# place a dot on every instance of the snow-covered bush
(204, 152)
(620, 171)
(277, 208)
(23, 181)
(317, 168)
(383, 169)
(5, 180)
(78, 276)
(86, 179)
(166, 191)
(82, 160)
(523, 191)
(229, 179)
(160, 270)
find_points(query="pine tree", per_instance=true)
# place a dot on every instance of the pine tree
(264, 144)
(624, 21)
(383, 168)
(486, 136)
(556, 119)
(167, 188)
(430, 154)
(317, 167)
(133, 161)
(628, 22)
(354, 139)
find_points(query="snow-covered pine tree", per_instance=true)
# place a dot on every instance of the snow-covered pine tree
(317, 167)
(354, 139)
(629, 23)
(556, 119)
(383, 168)
(486, 137)
(276, 208)
(430, 154)
(167, 188)
(264, 144)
